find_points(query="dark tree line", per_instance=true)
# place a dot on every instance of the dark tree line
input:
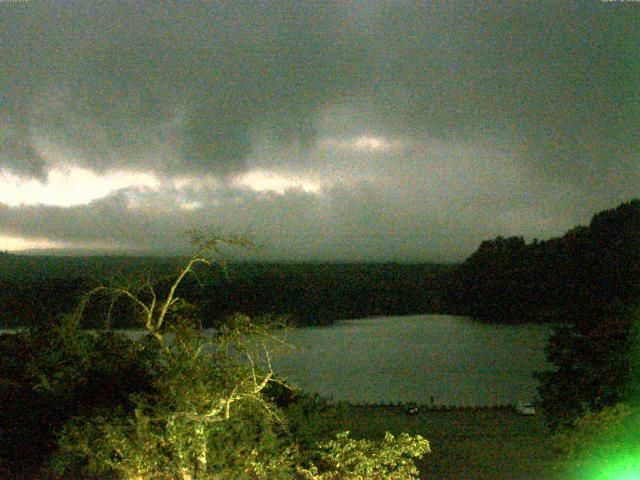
(309, 294)
(556, 280)
(595, 364)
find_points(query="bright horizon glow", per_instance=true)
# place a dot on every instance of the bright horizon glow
(12, 243)
(265, 181)
(17, 244)
(66, 187)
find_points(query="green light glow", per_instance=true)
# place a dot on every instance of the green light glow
(625, 467)
(605, 445)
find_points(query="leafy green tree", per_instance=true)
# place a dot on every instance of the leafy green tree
(49, 374)
(208, 414)
(204, 418)
(347, 459)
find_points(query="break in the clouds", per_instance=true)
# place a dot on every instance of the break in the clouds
(326, 130)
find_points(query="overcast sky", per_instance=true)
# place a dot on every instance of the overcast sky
(351, 130)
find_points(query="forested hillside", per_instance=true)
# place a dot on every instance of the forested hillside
(307, 293)
(557, 279)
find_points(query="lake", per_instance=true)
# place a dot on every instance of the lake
(457, 360)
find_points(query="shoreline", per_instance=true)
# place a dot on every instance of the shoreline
(467, 444)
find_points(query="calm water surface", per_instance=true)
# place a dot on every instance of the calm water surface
(456, 360)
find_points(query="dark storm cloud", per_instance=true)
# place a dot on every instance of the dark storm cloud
(125, 68)
(538, 74)
(510, 118)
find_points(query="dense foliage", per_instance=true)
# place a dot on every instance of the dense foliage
(205, 417)
(49, 375)
(558, 280)
(595, 356)
(595, 364)
(307, 293)
(347, 459)
(177, 405)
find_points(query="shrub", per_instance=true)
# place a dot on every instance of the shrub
(48, 375)
(347, 459)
